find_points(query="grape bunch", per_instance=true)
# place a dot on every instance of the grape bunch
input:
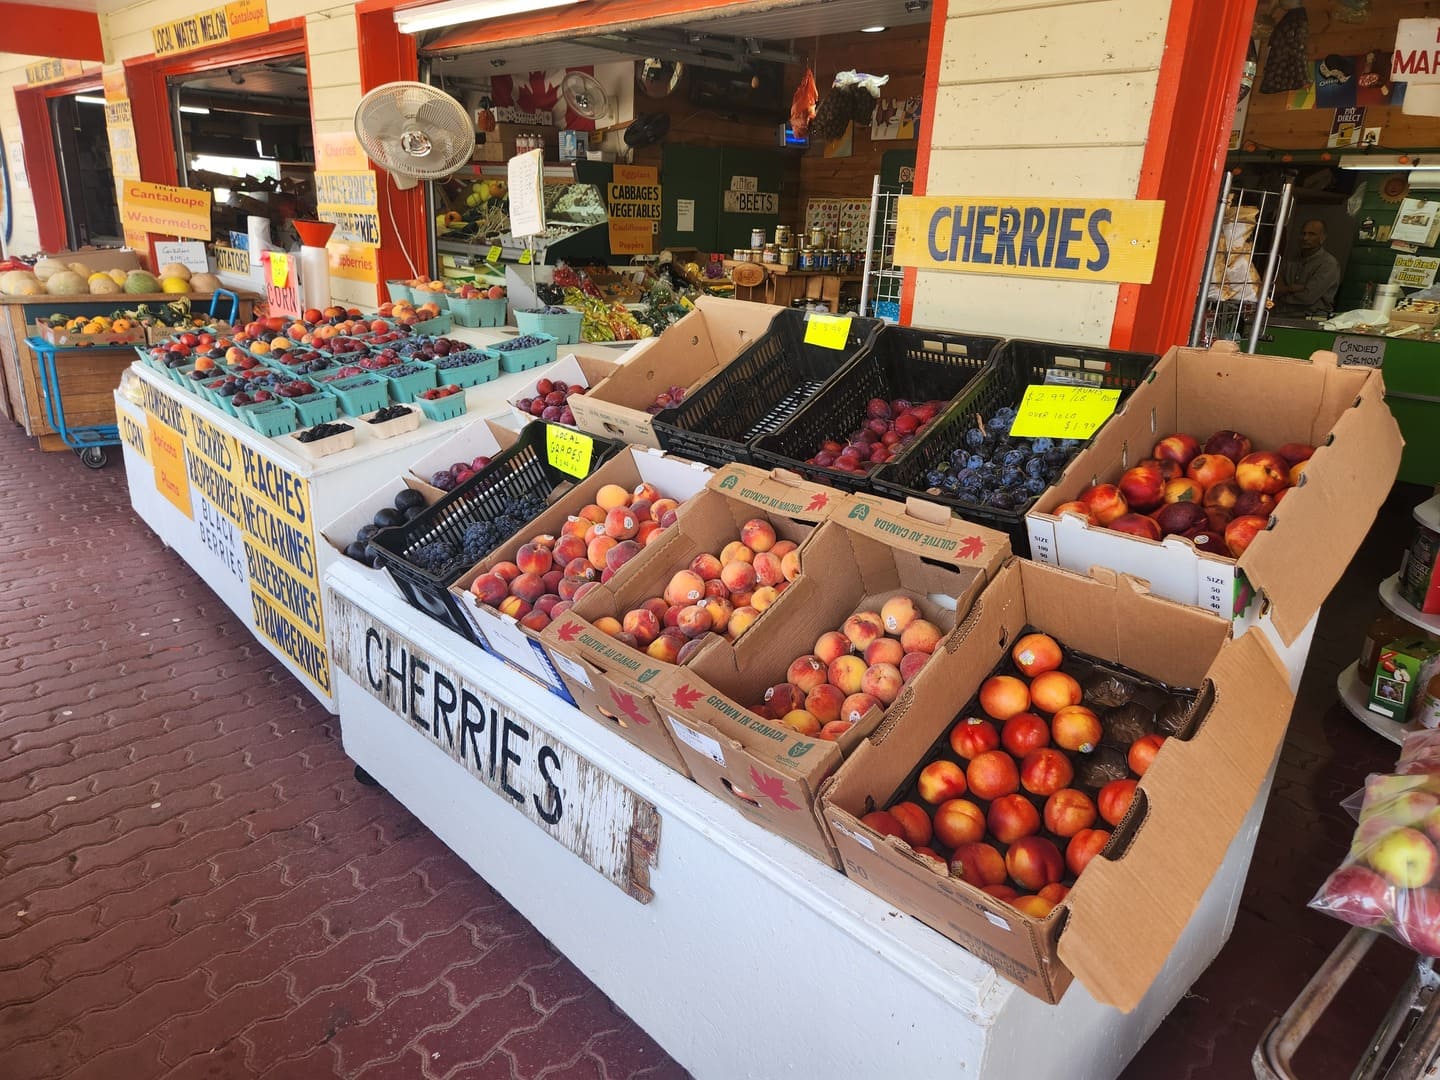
(434, 557)
(990, 468)
(482, 537)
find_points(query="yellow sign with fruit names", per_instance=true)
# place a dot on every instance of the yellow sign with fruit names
(165, 210)
(52, 70)
(354, 262)
(348, 200)
(1063, 412)
(167, 449)
(1073, 239)
(229, 22)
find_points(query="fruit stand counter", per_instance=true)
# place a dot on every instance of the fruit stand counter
(661, 893)
(1412, 384)
(87, 377)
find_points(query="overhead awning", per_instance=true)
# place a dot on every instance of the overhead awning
(64, 33)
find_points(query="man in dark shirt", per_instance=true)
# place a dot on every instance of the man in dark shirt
(1308, 282)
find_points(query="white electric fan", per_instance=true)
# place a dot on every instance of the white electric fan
(585, 96)
(414, 132)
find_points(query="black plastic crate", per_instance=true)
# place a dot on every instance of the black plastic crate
(759, 391)
(524, 469)
(905, 362)
(1015, 365)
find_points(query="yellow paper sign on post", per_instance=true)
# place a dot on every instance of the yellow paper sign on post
(827, 331)
(493, 255)
(165, 210)
(167, 448)
(569, 451)
(279, 269)
(1063, 412)
(525, 257)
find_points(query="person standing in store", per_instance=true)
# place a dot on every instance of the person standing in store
(1308, 282)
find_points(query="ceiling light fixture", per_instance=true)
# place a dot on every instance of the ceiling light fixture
(1386, 163)
(872, 29)
(451, 12)
(197, 110)
(86, 99)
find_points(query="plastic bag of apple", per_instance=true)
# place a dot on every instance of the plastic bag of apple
(1390, 880)
(1219, 495)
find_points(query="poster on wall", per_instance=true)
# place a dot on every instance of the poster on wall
(895, 118)
(844, 218)
(1338, 82)
(537, 98)
(1417, 51)
(1347, 128)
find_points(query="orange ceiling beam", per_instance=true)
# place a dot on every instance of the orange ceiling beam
(32, 30)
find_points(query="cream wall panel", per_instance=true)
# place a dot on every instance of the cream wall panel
(1074, 39)
(24, 236)
(1085, 172)
(1089, 110)
(334, 102)
(961, 8)
(331, 31)
(1076, 312)
(334, 69)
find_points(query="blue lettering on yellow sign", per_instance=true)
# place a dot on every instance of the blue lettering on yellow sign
(1020, 236)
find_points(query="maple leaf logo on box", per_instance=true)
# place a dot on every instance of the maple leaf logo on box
(970, 547)
(773, 788)
(626, 704)
(818, 501)
(569, 632)
(687, 696)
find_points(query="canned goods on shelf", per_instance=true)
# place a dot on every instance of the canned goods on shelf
(787, 256)
(770, 253)
(782, 236)
(757, 238)
(807, 258)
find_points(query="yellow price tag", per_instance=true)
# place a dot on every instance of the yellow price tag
(827, 331)
(569, 451)
(525, 257)
(279, 269)
(1063, 412)
(493, 255)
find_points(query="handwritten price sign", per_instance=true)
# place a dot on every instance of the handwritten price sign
(569, 451)
(1063, 412)
(827, 331)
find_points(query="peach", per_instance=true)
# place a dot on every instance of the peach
(489, 589)
(1180, 448)
(1074, 506)
(1035, 654)
(685, 587)
(915, 821)
(803, 722)
(1000, 892)
(693, 621)
(1184, 490)
(588, 587)
(783, 548)
(1137, 525)
(507, 570)
(1012, 817)
(644, 490)
(832, 731)
(537, 620)
(1256, 503)
(717, 588)
(627, 640)
(1241, 532)
(738, 576)
(648, 532)
(1045, 771)
(971, 737)
(608, 625)
(959, 822)
(598, 549)
(552, 579)
(1076, 728)
(911, 663)
(546, 603)
(758, 535)
(1083, 847)
(862, 628)
(515, 607)
(939, 782)
(666, 648)
(1002, 696)
(706, 567)
(720, 611)
(1032, 905)
(882, 682)
(824, 702)
(832, 645)
(533, 559)
(898, 613)
(783, 698)
(592, 513)
(735, 551)
(790, 565)
(664, 511)
(611, 496)
(1054, 892)
(1222, 496)
(1264, 471)
(1297, 471)
(1067, 811)
(621, 523)
(1142, 753)
(1023, 733)
(621, 553)
(991, 774)
(884, 822)
(528, 587)
(1210, 469)
(1143, 486)
(763, 597)
(642, 624)
(768, 569)
(1034, 862)
(1105, 503)
(856, 707)
(806, 672)
(978, 864)
(739, 598)
(1052, 691)
(885, 650)
(582, 569)
(741, 619)
(1114, 800)
(921, 636)
(560, 608)
(1230, 444)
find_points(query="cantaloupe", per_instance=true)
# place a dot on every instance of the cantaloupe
(29, 285)
(118, 276)
(45, 268)
(11, 279)
(103, 285)
(179, 270)
(66, 283)
(174, 285)
(138, 282)
(204, 283)
(81, 269)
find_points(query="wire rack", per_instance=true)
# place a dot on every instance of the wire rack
(1241, 266)
(880, 286)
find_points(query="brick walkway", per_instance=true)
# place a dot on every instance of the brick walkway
(193, 885)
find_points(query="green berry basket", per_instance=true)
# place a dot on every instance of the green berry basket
(209, 391)
(403, 388)
(513, 360)
(270, 418)
(477, 312)
(565, 329)
(359, 394)
(150, 361)
(436, 327)
(427, 296)
(482, 366)
(442, 409)
(194, 386)
(398, 291)
(317, 408)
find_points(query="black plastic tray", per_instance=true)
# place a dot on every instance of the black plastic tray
(1016, 365)
(905, 362)
(759, 391)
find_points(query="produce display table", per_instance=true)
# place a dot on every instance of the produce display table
(685, 903)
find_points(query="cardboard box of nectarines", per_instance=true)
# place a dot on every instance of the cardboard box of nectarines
(616, 641)
(686, 355)
(1223, 431)
(638, 485)
(1104, 907)
(762, 724)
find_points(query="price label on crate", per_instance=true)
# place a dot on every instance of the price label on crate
(493, 255)
(525, 257)
(827, 331)
(1063, 412)
(569, 451)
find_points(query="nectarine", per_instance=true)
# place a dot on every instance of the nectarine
(1012, 817)
(972, 736)
(915, 823)
(939, 782)
(992, 774)
(1051, 691)
(1034, 862)
(1083, 847)
(1114, 800)
(1036, 653)
(1068, 811)
(1045, 771)
(958, 822)
(978, 864)
(1023, 733)
(1002, 696)
(1077, 728)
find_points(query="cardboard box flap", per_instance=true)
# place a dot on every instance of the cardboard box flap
(1353, 474)
(778, 491)
(1209, 783)
(919, 529)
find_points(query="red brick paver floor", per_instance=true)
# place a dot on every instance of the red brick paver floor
(193, 885)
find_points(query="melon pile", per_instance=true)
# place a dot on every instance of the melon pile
(55, 277)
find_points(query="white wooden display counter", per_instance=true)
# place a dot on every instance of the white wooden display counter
(750, 959)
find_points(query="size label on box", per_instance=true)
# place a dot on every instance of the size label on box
(1063, 412)
(569, 451)
(827, 331)
(697, 741)
(574, 669)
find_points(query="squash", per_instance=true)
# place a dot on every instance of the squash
(118, 276)
(81, 269)
(204, 283)
(138, 283)
(29, 285)
(177, 270)
(66, 283)
(175, 285)
(12, 278)
(47, 267)
(102, 285)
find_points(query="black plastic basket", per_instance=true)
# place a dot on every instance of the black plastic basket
(761, 389)
(1015, 365)
(524, 469)
(905, 362)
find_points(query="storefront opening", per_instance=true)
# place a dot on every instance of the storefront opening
(82, 155)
